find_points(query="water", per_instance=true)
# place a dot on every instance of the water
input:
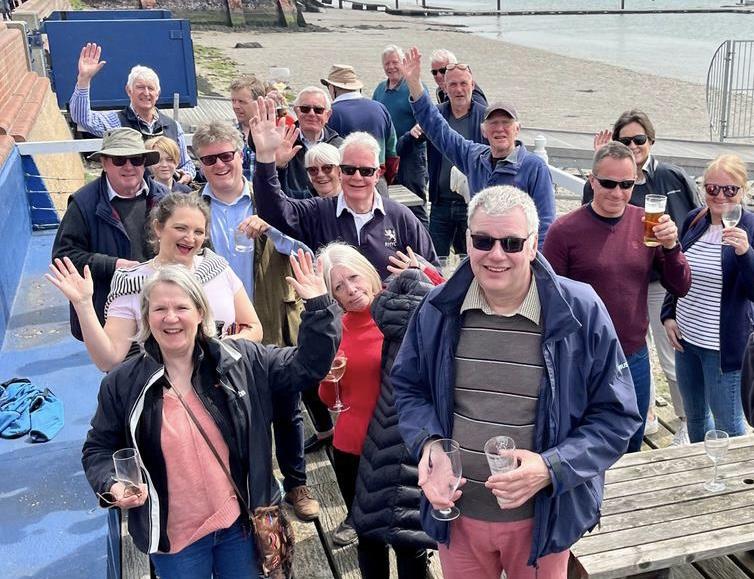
(678, 46)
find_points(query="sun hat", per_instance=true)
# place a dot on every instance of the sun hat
(125, 142)
(342, 76)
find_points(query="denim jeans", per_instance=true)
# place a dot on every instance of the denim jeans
(225, 554)
(711, 397)
(638, 365)
(447, 225)
(288, 429)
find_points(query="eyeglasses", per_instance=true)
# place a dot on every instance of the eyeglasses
(135, 161)
(509, 244)
(612, 184)
(459, 66)
(210, 160)
(636, 139)
(306, 109)
(728, 190)
(436, 71)
(326, 169)
(363, 171)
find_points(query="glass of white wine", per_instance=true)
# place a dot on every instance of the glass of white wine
(336, 372)
(716, 446)
(731, 214)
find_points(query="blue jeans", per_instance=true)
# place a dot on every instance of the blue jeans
(225, 554)
(288, 429)
(638, 365)
(447, 225)
(711, 397)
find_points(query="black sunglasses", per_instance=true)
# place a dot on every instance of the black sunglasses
(509, 244)
(135, 161)
(306, 109)
(727, 190)
(225, 157)
(637, 140)
(326, 169)
(612, 184)
(436, 71)
(363, 171)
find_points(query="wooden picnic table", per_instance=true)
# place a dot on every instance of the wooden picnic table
(656, 513)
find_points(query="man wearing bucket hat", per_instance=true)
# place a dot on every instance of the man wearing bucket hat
(106, 223)
(353, 112)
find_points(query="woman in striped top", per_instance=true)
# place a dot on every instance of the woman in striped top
(710, 325)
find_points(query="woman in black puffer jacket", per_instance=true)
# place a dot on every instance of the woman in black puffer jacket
(385, 510)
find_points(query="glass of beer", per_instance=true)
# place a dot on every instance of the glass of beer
(654, 208)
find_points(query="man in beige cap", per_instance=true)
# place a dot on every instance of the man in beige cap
(106, 223)
(353, 112)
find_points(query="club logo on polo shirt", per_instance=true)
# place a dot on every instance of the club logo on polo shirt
(391, 239)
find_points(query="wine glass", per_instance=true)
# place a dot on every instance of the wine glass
(731, 214)
(336, 372)
(128, 470)
(716, 446)
(445, 474)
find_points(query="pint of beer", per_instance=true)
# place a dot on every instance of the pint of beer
(654, 208)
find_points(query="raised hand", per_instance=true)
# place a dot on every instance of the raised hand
(412, 63)
(602, 138)
(79, 290)
(89, 63)
(287, 150)
(401, 261)
(264, 130)
(308, 281)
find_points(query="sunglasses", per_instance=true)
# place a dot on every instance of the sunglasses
(363, 171)
(109, 498)
(509, 244)
(727, 190)
(636, 139)
(135, 161)
(459, 66)
(326, 169)
(210, 160)
(306, 109)
(436, 71)
(612, 184)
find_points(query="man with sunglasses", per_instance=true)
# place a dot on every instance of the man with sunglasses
(313, 109)
(602, 244)
(439, 61)
(505, 161)
(507, 347)
(106, 225)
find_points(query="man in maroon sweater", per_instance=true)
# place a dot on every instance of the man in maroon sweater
(602, 244)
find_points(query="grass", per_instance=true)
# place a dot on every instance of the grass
(79, 5)
(215, 67)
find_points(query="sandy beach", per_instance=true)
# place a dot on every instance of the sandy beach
(550, 91)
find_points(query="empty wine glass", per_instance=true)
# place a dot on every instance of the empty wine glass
(336, 372)
(445, 474)
(128, 470)
(716, 446)
(731, 215)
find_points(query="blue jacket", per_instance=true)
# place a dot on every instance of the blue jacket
(736, 308)
(530, 173)
(587, 406)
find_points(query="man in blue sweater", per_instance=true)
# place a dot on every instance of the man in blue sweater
(505, 161)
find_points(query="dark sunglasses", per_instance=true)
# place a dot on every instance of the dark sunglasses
(225, 157)
(135, 161)
(612, 184)
(306, 109)
(728, 190)
(637, 140)
(436, 71)
(326, 169)
(459, 66)
(363, 171)
(509, 244)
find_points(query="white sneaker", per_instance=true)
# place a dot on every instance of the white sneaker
(652, 426)
(681, 437)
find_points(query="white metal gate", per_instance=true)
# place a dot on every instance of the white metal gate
(730, 91)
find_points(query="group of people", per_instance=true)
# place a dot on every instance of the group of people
(215, 312)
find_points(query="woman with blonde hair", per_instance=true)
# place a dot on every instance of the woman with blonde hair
(708, 328)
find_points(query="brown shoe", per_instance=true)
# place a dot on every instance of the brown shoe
(304, 504)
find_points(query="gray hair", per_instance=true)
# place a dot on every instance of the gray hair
(614, 150)
(140, 72)
(502, 199)
(338, 253)
(443, 55)
(364, 140)
(217, 132)
(318, 90)
(181, 277)
(322, 154)
(393, 49)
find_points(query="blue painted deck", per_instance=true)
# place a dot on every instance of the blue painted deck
(46, 527)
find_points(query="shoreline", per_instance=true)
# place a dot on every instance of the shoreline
(549, 90)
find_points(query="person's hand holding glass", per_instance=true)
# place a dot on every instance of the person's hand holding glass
(129, 490)
(734, 236)
(500, 454)
(440, 473)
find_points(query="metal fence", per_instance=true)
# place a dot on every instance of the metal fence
(730, 91)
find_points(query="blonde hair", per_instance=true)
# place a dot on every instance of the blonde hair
(734, 166)
(164, 145)
(341, 254)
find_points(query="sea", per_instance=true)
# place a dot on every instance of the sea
(679, 46)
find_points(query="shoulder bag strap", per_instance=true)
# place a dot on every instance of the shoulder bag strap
(698, 217)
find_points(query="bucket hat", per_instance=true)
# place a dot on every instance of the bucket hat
(125, 142)
(342, 76)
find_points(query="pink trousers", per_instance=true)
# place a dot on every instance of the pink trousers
(482, 550)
